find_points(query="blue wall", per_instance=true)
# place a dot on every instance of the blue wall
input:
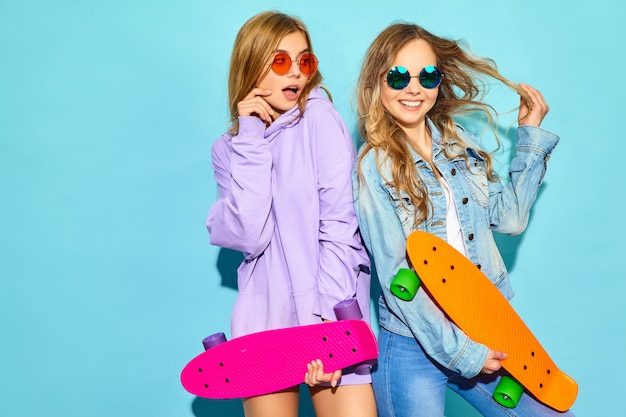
(107, 115)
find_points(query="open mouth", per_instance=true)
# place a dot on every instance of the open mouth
(291, 92)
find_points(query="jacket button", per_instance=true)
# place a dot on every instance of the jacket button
(465, 200)
(453, 172)
(471, 236)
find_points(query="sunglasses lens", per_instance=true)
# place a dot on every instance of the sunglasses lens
(430, 77)
(281, 63)
(398, 78)
(308, 63)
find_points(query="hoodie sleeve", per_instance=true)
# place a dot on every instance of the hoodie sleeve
(340, 246)
(240, 218)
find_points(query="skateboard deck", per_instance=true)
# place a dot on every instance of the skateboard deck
(477, 307)
(269, 361)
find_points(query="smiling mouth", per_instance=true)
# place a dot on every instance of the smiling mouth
(410, 103)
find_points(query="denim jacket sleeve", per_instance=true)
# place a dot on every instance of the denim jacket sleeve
(510, 201)
(384, 236)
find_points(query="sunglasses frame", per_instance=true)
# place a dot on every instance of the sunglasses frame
(311, 56)
(405, 76)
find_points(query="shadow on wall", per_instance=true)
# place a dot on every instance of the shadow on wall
(375, 291)
(508, 247)
(228, 261)
(203, 407)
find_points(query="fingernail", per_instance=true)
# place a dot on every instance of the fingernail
(333, 384)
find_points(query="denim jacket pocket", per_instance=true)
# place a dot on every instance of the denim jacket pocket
(403, 206)
(475, 172)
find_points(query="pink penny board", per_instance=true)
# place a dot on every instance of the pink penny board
(269, 361)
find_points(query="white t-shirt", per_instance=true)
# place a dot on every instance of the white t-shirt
(453, 226)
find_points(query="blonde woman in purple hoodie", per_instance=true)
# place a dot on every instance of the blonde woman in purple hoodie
(283, 171)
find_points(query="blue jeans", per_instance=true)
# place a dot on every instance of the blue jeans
(407, 383)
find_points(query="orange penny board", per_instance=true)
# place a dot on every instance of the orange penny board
(478, 308)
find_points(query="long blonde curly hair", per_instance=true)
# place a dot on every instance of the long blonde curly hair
(254, 45)
(461, 92)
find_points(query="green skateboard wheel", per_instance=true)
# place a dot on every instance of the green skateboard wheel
(508, 392)
(405, 284)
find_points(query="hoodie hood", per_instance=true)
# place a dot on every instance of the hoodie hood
(292, 117)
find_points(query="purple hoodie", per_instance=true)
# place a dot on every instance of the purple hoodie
(285, 201)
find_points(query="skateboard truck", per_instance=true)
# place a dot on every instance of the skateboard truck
(349, 310)
(508, 392)
(213, 340)
(405, 284)
(344, 310)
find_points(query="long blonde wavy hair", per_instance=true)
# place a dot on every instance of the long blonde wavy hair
(461, 92)
(256, 42)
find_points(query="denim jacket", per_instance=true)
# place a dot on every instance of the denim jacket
(483, 207)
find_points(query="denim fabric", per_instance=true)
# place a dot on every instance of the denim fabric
(407, 383)
(483, 207)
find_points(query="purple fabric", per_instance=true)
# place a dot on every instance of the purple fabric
(285, 201)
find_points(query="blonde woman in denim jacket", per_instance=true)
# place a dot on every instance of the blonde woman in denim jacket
(418, 169)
